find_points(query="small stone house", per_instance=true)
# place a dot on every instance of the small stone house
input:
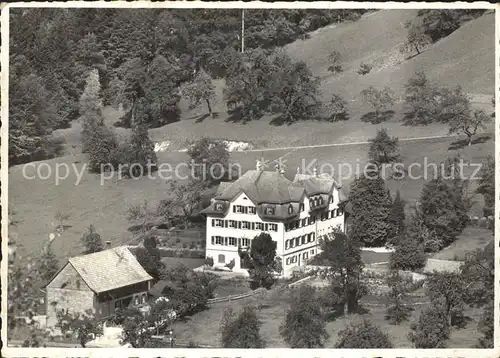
(101, 282)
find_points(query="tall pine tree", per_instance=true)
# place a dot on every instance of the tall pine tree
(370, 210)
(396, 219)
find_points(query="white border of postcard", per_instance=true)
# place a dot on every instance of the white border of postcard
(268, 352)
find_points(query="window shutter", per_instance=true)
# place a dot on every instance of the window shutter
(213, 240)
(225, 223)
(213, 222)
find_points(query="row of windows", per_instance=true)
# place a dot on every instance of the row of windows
(246, 225)
(293, 259)
(230, 241)
(331, 214)
(244, 209)
(300, 240)
(300, 223)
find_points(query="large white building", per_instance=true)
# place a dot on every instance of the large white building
(295, 213)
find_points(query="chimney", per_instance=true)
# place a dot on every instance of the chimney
(108, 244)
(258, 165)
(282, 172)
(298, 170)
(315, 172)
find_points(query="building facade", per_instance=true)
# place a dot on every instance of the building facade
(98, 283)
(296, 213)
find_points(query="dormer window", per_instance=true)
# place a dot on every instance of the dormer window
(219, 207)
(290, 209)
(269, 210)
(320, 201)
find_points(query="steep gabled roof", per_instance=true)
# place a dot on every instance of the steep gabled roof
(109, 269)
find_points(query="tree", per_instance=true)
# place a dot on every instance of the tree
(470, 124)
(478, 273)
(49, 264)
(486, 185)
(342, 255)
(143, 219)
(337, 108)
(91, 240)
(293, 89)
(416, 38)
(150, 258)
(140, 154)
(446, 290)
(440, 23)
(378, 99)
(443, 210)
(138, 327)
(486, 326)
(304, 325)
(102, 144)
(209, 160)
(242, 330)
(201, 89)
(335, 60)
(86, 327)
(370, 210)
(184, 201)
(409, 252)
(397, 310)
(456, 111)
(422, 99)
(90, 108)
(262, 260)
(189, 290)
(396, 219)
(383, 148)
(432, 329)
(363, 335)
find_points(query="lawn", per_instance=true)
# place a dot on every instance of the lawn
(36, 202)
(203, 328)
(470, 239)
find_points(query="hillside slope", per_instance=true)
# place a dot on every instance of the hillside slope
(465, 58)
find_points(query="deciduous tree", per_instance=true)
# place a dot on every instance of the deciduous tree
(384, 148)
(304, 325)
(432, 329)
(262, 260)
(209, 160)
(342, 255)
(242, 330)
(200, 90)
(335, 60)
(337, 108)
(378, 99)
(486, 185)
(416, 38)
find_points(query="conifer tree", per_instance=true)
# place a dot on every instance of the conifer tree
(396, 219)
(92, 241)
(370, 211)
(90, 109)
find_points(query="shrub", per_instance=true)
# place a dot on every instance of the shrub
(230, 265)
(363, 335)
(209, 261)
(364, 69)
(408, 255)
(432, 329)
